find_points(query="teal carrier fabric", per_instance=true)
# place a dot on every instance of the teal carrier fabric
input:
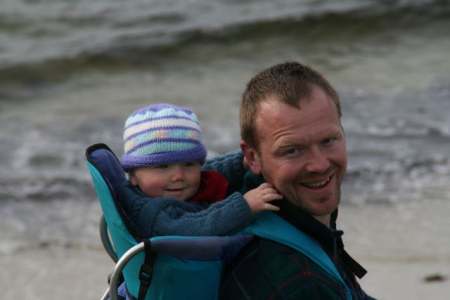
(186, 267)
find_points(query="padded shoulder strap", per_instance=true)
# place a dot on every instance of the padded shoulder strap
(102, 157)
(270, 226)
(107, 177)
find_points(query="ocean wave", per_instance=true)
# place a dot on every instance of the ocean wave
(150, 46)
(397, 181)
(403, 130)
(44, 189)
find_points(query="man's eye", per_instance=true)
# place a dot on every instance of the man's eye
(329, 141)
(291, 152)
(189, 164)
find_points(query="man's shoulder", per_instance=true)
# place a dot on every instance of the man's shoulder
(266, 268)
(230, 159)
(275, 257)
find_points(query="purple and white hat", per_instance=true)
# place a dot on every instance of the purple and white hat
(162, 134)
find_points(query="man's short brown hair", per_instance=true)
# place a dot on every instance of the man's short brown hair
(288, 83)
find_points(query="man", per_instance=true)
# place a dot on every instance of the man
(292, 138)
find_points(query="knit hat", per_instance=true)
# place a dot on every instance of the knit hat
(162, 134)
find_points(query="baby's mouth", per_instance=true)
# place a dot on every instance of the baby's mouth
(177, 189)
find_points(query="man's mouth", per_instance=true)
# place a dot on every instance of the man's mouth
(318, 184)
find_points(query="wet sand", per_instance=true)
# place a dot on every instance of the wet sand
(54, 273)
(64, 273)
(405, 247)
(406, 280)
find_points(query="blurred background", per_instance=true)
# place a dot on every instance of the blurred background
(72, 70)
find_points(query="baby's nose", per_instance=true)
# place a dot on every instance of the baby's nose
(177, 173)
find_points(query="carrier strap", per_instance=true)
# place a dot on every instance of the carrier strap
(270, 226)
(146, 270)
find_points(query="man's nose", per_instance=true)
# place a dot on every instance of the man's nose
(318, 161)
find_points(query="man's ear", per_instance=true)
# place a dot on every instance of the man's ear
(252, 159)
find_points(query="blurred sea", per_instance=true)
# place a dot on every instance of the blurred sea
(72, 70)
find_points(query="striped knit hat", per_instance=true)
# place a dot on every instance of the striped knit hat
(162, 134)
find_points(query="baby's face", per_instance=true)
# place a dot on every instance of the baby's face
(180, 181)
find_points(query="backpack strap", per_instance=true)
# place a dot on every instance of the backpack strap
(146, 270)
(272, 227)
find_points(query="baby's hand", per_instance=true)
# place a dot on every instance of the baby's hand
(259, 198)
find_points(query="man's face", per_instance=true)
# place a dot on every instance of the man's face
(302, 152)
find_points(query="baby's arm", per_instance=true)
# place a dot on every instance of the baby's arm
(150, 216)
(220, 218)
(223, 217)
(165, 216)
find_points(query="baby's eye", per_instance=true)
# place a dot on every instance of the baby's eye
(190, 164)
(163, 166)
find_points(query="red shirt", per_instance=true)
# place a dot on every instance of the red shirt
(213, 188)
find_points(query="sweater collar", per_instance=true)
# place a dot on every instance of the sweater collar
(329, 238)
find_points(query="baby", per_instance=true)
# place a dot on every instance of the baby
(168, 193)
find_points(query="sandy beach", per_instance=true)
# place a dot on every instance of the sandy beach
(64, 273)
(396, 242)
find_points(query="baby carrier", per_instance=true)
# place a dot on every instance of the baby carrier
(176, 267)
